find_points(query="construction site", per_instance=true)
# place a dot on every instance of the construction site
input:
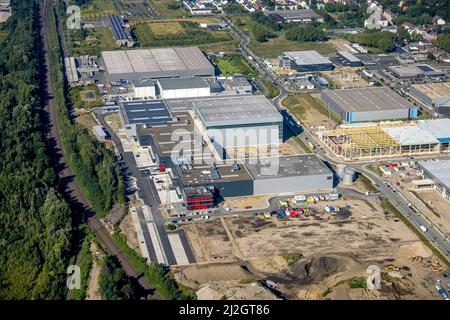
(318, 255)
(388, 139)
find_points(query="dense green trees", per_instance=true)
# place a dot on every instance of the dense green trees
(444, 42)
(114, 284)
(305, 33)
(261, 33)
(266, 20)
(382, 40)
(35, 223)
(93, 165)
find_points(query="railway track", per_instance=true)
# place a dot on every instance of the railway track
(70, 189)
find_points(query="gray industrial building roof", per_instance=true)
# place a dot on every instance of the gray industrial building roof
(236, 111)
(310, 57)
(119, 32)
(349, 56)
(286, 166)
(299, 14)
(156, 63)
(149, 112)
(439, 170)
(411, 71)
(187, 83)
(142, 83)
(367, 99)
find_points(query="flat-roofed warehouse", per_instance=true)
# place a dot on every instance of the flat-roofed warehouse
(305, 61)
(145, 112)
(433, 94)
(439, 172)
(183, 88)
(416, 71)
(287, 174)
(156, 63)
(368, 104)
(300, 15)
(348, 59)
(240, 121)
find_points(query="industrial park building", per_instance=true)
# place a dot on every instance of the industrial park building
(300, 15)
(437, 171)
(416, 71)
(303, 61)
(237, 121)
(158, 63)
(369, 140)
(287, 174)
(368, 104)
(183, 88)
(433, 94)
(348, 59)
(271, 175)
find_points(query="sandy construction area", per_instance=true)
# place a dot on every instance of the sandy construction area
(335, 250)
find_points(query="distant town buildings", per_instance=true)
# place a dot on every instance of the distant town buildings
(197, 7)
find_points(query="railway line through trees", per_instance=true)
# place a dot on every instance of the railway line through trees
(68, 186)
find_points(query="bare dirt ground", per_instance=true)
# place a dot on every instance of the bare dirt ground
(339, 43)
(439, 207)
(336, 250)
(92, 292)
(346, 77)
(239, 203)
(127, 228)
(222, 281)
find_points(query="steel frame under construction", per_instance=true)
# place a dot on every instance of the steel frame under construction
(368, 141)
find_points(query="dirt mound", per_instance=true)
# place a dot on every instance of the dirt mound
(317, 269)
(415, 249)
(270, 264)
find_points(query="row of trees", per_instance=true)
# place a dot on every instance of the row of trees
(305, 33)
(266, 20)
(35, 222)
(383, 41)
(93, 166)
(114, 283)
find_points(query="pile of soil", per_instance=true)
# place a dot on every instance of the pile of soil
(316, 269)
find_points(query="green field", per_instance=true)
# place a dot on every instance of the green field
(81, 100)
(299, 104)
(234, 64)
(179, 33)
(98, 8)
(275, 46)
(90, 42)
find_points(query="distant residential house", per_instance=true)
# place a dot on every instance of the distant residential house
(197, 8)
(389, 15)
(376, 21)
(438, 21)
